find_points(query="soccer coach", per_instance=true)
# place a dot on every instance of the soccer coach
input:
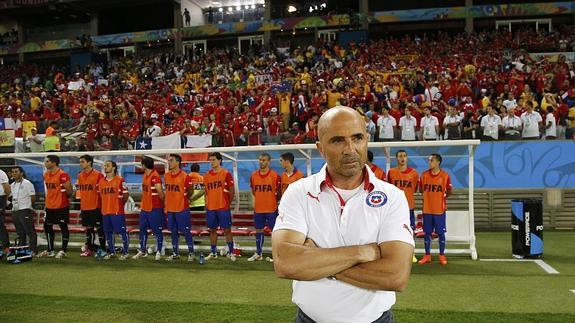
(343, 235)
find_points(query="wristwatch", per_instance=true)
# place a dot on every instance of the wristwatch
(332, 277)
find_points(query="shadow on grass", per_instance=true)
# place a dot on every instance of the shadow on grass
(33, 308)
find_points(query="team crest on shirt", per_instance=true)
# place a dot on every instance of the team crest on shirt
(376, 199)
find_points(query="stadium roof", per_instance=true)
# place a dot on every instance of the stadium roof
(222, 3)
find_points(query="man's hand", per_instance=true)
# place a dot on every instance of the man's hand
(367, 253)
(370, 252)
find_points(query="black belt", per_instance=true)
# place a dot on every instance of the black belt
(386, 317)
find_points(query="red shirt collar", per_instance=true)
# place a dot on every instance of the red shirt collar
(367, 184)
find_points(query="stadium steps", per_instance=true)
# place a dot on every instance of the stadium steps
(565, 215)
(245, 201)
(568, 200)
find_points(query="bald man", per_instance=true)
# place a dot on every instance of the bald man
(343, 235)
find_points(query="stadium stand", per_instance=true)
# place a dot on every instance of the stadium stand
(216, 93)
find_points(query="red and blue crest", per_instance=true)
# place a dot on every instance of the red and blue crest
(376, 199)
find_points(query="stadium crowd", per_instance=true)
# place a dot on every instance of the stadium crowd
(483, 85)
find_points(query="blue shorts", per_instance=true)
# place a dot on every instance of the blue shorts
(412, 218)
(263, 219)
(114, 223)
(219, 218)
(152, 220)
(432, 222)
(179, 221)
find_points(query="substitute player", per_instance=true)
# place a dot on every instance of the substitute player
(151, 209)
(198, 199)
(435, 185)
(406, 179)
(265, 185)
(178, 187)
(291, 173)
(377, 171)
(114, 195)
(219, 186)
(87, 193)
(58, 191)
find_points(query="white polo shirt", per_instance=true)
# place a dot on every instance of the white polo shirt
(386, 125)
(551, 131)
(377, 213)
(450, 119)
(407, 125)
(510, 104)
(511, 122)
(21, 195)
(490, 124)
(428, 125)
(3, 180)
(530, 124)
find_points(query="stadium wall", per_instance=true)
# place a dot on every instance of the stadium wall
(498, 165)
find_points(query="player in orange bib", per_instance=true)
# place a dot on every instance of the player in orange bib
(435, 185)
(406, 179)
(58, 190)
(151, 209)
(219, 186)
(178, 186)
(291, 173)
(114, 195)
(198, 199)
(377, 171)
(87, 193)
(265, 184)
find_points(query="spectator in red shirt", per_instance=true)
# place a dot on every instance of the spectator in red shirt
(274, 123)
(311, 129)
(227, 135)
(267, 104)
(395, 112)
(253, 131)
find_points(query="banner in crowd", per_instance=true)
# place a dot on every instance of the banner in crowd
(39, 46)
(479, 11)
(172, 141)
(8, 124)
(195, 141)
(75, 85)
(7, 138)
(26, 126)
(282, 87)
(261, 79)
(133, 37)
(554, 57)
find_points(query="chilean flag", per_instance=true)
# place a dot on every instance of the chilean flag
(172, 141)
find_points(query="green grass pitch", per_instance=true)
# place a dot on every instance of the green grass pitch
(85, 290)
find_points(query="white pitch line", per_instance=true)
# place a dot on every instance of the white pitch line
(573, 291)
(548, 269)
(508, 260)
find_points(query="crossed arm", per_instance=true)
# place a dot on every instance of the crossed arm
(383, 267)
